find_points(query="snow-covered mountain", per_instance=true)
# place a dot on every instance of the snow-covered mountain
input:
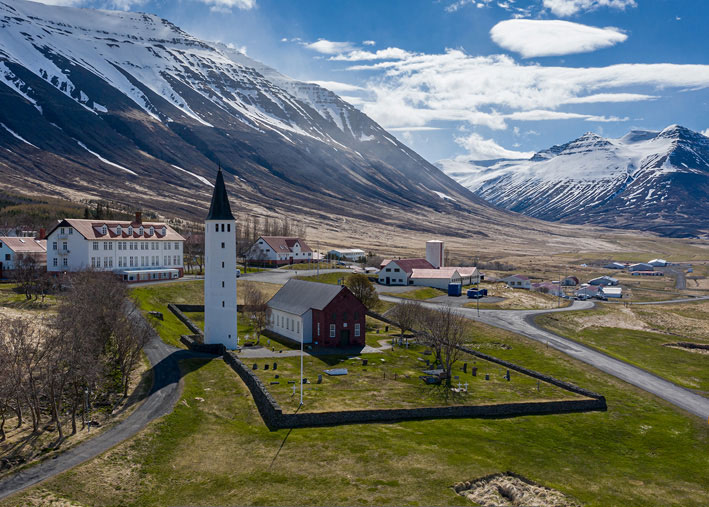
(644, 180)
(128, 106)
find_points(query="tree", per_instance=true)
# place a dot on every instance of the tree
(406, 315)
(374, 261)
(363, 289)
(444, 331)
(27, 274)
(257, 309)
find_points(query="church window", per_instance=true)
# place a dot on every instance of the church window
(332, 330)
(222, 244)
(228, 227)
(357, 330)
(222, 304)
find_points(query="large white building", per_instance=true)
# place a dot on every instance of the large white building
(435, 253)
(220, 270)
(136, 251)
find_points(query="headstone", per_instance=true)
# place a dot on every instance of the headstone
(319, 378)
(275, 366)
(466, 387)
(255, 367)
(507, 376)
(475, 371)
(456, 377)
(377, 331)
(364, 362)
(305, 380)
(291, 382)
(465, 367)
(265, 366)
(277, 376)
(386, 329)
(428, 362)
(275, 382)
(487, 376)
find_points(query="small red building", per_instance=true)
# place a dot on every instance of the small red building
(320, 314)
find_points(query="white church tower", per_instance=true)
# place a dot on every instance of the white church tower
(220, 270)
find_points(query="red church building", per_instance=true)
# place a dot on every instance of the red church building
(320, 314)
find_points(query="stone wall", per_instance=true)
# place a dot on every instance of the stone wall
(177, 311)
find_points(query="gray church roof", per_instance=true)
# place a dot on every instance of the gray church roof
(220, 209)
(299, 296)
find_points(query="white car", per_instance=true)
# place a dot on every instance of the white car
(238, 272)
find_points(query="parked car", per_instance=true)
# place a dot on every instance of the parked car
(238, 273)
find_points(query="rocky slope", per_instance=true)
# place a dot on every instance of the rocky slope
(127, 106)
(657, 181)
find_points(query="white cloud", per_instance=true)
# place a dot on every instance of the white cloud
(462, 3)
(492, 90)
(413, 129)
(565, 8)
(535, 37)
(369, 42)
(479, 148)
(382, 54)
(337, 86)
(329, 47)
(227, 5)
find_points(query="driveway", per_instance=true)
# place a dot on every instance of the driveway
(521, 322)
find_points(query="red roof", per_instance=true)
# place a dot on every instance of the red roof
(118, 229)
(408, 265)
(282, 244)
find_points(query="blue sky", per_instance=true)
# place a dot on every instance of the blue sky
(476, 78)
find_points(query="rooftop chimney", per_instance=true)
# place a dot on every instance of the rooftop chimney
(138, 217)
(42, 233)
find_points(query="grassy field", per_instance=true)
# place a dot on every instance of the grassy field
(10, 297)
(246, 332)
(390, 380)
(419, 294)
(156, 298)
(331, 278)
(306, 266)
(638, 334)
(214, 449)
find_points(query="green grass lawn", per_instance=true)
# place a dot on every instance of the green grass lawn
(418, 294)
(331, 278)
(10, 297)
(391, 380)
(309, 266)
(213, 449)
(641, 348)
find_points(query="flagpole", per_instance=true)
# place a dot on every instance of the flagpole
(302, 339)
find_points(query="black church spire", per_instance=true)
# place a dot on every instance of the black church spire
(220, 209)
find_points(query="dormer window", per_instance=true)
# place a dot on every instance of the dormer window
(104, 229)
(130, 230)
(119, 230)
(164, 230)
(151, 231)
(141, 230)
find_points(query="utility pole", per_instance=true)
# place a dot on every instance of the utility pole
(302, 339)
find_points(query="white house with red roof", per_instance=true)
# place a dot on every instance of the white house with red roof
(279, 250)
(398, 272)
(137, 250)
(518, 282)
(12, 249)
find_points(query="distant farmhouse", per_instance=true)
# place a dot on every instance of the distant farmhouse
(13, 249)
(570, 281)
(615, 265)
(658, 263)
(136, 251)
(428, 272)
(641, 266)
(348, 254)
(279, 251)
(321, 314)
(548, 288)
(604, 280)
(517, 282)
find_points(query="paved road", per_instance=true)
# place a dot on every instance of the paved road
(281, 276)
(521, 322)
(160, 401)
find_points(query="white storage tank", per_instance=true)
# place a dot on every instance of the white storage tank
(435, 253)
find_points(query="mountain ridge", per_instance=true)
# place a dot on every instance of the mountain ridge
(649, 180)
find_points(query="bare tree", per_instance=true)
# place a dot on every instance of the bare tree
(27, 274)
(363, 289)
(406, 315)
(374, 261)
(257, 309)
(444, 331)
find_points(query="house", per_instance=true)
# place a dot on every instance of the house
(588, 291)
(548, 288)
(437, 278)
(13, 249)
(615, 265)
(612, 292)
(570, 281)
(517, 282)
(279, 250)
(603, 280)
(641, 266)
(398, 272)
(322, 314)
(658, 263)
(469, 274)
(349, 254)
(137, 250)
